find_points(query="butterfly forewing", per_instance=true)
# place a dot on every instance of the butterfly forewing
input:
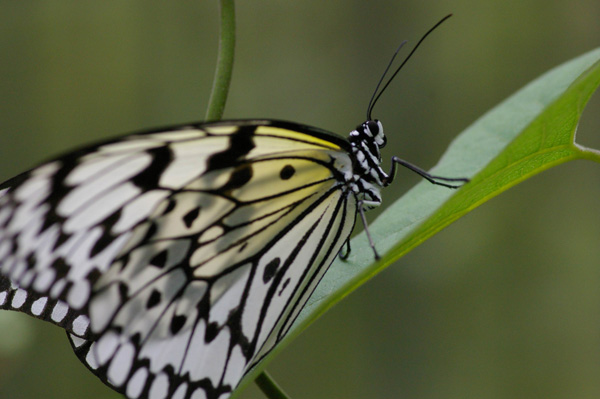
(189, 251)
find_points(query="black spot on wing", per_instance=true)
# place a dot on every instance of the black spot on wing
(238, 178)
(150, 176)
(123, 290)
(31, 261)
(212, 330)
(153, 299)
(94, 275)
(191, 216)
(60, 266)
(160, 259)
(60, 240)
(271, 269)
(136, 339)
(287, 172)
(177, 323)
(240, 143)
(170, 206)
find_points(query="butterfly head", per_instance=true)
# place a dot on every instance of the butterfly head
(366, 141)
(374, 128)
(369, 137)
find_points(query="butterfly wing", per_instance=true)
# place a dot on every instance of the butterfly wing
(190, 251)
(58, 225)
(21, 212)
(42, 307)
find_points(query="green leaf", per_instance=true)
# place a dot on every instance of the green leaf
(529, 132)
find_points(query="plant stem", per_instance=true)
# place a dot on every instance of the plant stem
(218, 95)
(270, 387)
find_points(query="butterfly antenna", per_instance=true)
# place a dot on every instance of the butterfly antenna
(374, 98)
(370, 107)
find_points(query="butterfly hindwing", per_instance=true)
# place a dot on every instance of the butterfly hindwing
(191, 250)
(42, 307)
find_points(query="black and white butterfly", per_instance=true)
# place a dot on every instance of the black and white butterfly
(177, 258)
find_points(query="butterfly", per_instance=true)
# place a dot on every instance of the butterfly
(177, 258)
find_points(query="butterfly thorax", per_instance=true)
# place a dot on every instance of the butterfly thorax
(368, 178)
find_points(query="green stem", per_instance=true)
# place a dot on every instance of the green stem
(270, 387)
(218, 95)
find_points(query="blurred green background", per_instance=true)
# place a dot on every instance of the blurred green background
(505, 303)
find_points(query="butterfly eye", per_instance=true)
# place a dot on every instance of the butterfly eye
(373, 127)
(376, 130)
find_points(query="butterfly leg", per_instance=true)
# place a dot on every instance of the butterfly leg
(361, 211)
(344, 254)
(438, 180)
